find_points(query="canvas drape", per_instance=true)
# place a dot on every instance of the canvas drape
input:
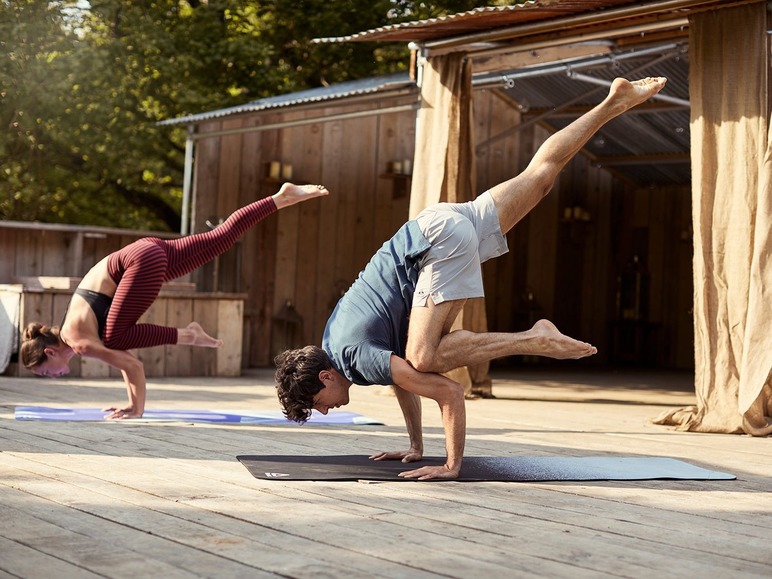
(732, 216)
(444, 170)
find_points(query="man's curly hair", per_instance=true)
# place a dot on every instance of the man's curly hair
(297, 380)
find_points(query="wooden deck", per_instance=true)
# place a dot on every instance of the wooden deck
(170, 499)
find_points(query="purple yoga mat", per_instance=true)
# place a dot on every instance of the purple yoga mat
(226, 416)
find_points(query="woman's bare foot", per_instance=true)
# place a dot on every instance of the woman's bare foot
(626, 94)
(552, 344)
(194, 335)
(289, 194)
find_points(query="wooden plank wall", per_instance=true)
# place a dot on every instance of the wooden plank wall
(306, 256)
(58, 251)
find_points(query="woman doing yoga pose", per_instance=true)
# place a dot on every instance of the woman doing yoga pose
(101, 319)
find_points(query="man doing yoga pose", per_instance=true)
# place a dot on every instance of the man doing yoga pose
(101, 319)
(393, 325)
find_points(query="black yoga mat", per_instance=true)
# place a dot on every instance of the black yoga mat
(478, 468)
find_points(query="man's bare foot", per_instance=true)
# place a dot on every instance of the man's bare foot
(194, 335)
(289, 194)
(552, 344)
(626, 94)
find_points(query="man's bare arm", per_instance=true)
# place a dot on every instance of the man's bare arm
(449, 395)
(411, 409)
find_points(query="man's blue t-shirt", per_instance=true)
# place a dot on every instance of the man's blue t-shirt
(370, 321)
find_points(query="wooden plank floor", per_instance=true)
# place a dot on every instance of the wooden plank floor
(170, 500)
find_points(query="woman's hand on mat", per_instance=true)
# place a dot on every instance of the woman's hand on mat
(122, 412)
(410, 455)
(431, 473)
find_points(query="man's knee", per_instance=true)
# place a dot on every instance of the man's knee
(427, 358)
(420, 358)
(428, 326)
(543, 178)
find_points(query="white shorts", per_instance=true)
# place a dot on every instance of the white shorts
(463, 236)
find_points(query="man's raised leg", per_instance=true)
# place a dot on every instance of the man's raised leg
(431, 347)
(517, 196)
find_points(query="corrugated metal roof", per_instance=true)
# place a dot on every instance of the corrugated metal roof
(366, 86)
(479, 19)
(548, 16)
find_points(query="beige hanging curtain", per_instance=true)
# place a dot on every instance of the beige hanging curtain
(444, 158)
(732, 214)
(444, 170)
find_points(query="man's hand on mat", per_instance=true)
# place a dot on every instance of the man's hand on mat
(120, 413)
(410, 455)
(431, 473)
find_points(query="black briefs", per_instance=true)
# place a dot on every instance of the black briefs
(100, 305)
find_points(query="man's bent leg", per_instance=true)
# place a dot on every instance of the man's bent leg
(427, 328)
(516, 197)
(464, 348)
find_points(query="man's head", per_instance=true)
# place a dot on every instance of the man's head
(305, 380)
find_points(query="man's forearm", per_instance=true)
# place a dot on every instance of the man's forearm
(448, 394)
(411, 410)
(453, 410)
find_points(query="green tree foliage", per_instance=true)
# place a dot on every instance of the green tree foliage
(85, 83)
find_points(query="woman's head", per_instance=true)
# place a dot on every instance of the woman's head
(41, 350)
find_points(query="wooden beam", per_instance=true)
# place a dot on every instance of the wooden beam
(647, 108)
(526, 58)
(654, 159)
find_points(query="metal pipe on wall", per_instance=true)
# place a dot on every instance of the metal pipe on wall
(187, 181)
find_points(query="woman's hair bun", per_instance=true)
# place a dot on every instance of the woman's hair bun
(35, 329)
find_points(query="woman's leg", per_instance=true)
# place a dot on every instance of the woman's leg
(148, 263)
(141, 267)
(189, 253)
